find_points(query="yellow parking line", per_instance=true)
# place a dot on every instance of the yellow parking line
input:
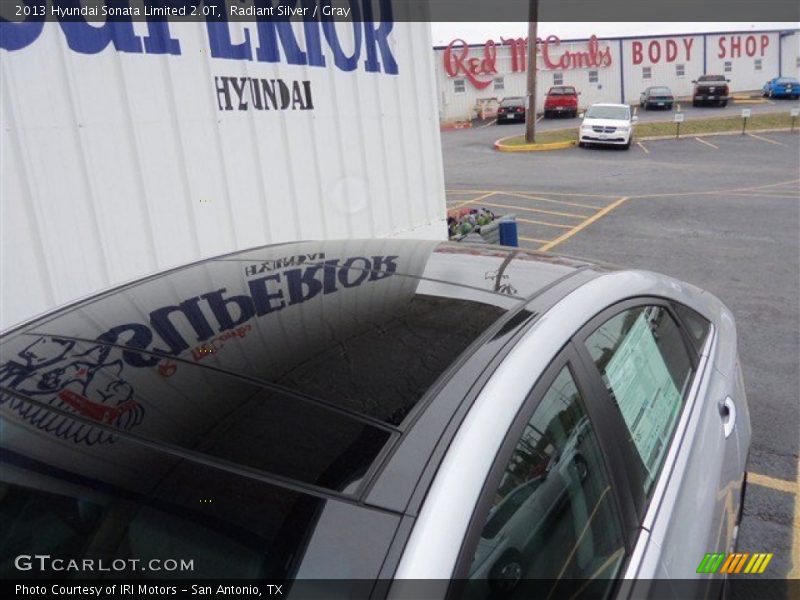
(535, 192)
(762, 195)
(788, 487)
(641, 145)
(702, 141)
(532, 222)
(558, 214)
(534, 240)
(758, 137)
(781, 485)
(550, 200)
(478, 199)
(769, 185)
(599, 215)
(712, 192)
(795, 572)
(526, 209)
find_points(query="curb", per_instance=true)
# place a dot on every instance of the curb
(455, 125)
(499, 146)
(749, 101)
(710, 134)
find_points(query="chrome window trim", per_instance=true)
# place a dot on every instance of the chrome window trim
(701, 381)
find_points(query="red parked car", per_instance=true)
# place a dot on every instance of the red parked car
(561, 100)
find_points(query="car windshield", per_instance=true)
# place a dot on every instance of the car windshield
(562, 91)
(785, 80)
(513, 102)
(608, 112)
(660, 90)
(712, 78)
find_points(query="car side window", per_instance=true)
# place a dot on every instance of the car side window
(696, 324)
(646, 368)
(553, 517)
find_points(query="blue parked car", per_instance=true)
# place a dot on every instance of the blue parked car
(782, 87)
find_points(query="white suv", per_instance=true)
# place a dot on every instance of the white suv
(610, 124)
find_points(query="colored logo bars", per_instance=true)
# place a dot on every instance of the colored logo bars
(735, 563)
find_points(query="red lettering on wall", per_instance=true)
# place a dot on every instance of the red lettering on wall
(687, 43)
(595, 57)
(736, 47)
(551, 39)
(654, 51)
(459, 63)
(638, 55)
(672, 51)
(519, 52)
(658, 50)
(750, 45)
(731, 46)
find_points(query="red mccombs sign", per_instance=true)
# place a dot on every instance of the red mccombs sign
(458, 61)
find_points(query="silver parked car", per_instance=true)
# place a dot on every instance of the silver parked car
(383, 410)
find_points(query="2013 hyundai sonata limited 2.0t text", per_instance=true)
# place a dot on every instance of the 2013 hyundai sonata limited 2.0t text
(381, 410)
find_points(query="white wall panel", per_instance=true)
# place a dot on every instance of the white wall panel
(119, 164)
(790, 54)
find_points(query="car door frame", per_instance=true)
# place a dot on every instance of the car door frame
(605, 432)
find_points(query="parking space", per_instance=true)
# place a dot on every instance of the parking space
(722, 212)
(543, 219)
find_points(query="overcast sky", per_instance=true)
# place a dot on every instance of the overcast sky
(473, 33)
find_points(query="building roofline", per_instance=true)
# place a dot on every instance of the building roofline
(782, 32)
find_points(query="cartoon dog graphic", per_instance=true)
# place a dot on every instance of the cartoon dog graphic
(88, 383)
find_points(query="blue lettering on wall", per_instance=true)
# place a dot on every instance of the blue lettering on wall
(340, 59)
(18, 35)
(91, 38)
(269, 40)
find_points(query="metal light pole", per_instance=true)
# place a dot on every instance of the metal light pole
(530, 115)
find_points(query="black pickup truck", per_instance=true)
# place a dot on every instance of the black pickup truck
(711, 89)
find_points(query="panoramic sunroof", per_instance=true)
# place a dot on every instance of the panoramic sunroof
(317, 408)
(301, 365)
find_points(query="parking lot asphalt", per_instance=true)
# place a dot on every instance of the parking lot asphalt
(490, 130)
(722, 213)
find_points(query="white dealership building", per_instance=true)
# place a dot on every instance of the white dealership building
(472, 77)
(133, 148)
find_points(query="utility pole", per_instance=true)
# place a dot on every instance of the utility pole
(530, 114)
